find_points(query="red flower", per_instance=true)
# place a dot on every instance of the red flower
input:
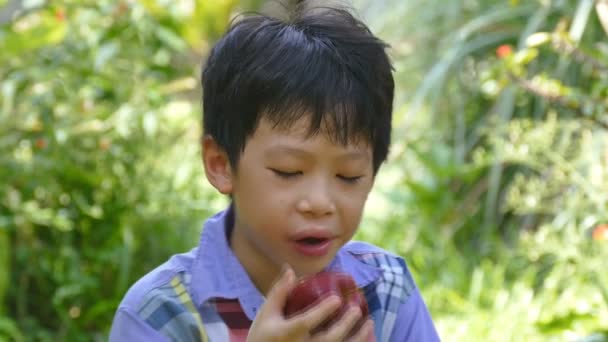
(40, 143)
(120, 9)
(104, 144)
(600, 232)
(60, 15)
(504, 51)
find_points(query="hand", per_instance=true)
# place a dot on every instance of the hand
(270, 325)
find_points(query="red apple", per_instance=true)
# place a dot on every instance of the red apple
(311, 290)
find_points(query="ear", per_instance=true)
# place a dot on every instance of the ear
(217, 165)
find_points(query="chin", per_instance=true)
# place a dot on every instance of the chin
(308, 271)
(311, 268)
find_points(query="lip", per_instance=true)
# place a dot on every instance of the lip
(316, 250)
(314, 232)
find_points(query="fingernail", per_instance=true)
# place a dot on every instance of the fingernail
(285, 269)
(288, 273)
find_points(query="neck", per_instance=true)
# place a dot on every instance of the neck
(262, 272)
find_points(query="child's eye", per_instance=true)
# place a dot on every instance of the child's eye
(354, 179)
(286, 175)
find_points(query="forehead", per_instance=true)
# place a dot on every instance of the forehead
(302, 132)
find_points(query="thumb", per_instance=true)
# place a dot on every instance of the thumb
(277, 296)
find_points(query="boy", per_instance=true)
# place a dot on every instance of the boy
(297, 120)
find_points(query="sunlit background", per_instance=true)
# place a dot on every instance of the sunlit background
(496, 190)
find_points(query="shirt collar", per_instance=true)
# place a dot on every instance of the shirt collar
(217, 273)
(362, 273)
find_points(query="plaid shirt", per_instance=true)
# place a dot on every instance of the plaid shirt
(206, 295)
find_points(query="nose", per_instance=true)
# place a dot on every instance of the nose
(316, 200)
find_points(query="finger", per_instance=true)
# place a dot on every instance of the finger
(365, 334)
(341, 329)
(275, 300)
(317, 314)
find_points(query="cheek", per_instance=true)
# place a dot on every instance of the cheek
(264, 202)
(352, 205)
(354, 196)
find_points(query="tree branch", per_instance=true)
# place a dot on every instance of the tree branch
(561, 100)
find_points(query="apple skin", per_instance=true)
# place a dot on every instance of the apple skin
(312, 289)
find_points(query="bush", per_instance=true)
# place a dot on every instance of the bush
(498, 178)
(99, 161)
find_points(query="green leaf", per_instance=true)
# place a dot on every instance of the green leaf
(44, 30)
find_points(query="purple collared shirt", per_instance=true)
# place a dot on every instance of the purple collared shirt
(186, 298)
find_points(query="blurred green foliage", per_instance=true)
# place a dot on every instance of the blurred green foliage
(498, 175)
(98, 111)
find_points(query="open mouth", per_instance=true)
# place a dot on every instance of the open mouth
(312, 241)
(313, 246)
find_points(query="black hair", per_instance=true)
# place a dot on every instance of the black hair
(323, 63)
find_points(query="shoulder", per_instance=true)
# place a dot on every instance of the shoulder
(157, 284)
(394, 279)
(395, 305)
(160, 302)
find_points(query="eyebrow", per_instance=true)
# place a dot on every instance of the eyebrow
(282, 149)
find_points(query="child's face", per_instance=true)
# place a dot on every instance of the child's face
(289, 187)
